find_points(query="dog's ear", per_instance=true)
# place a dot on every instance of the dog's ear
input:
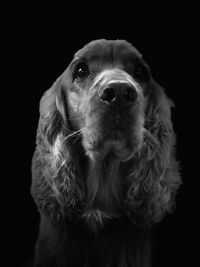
(53, 112)
(56, 185)
(156, 178)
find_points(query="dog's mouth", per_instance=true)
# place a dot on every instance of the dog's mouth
(98, 147)
(121, 151)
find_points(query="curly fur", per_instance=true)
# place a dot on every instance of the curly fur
(66, 183)
(155, 176)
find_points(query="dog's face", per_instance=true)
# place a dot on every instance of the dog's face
(107, 105)
(106, 84)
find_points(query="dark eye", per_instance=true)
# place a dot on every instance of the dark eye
(81, 71)
(141, 73)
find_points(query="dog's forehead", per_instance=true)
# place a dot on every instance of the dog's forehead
(108, 50)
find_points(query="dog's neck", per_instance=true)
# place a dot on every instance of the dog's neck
(104, 188)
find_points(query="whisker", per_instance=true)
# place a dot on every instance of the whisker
(77, 134)
(149, 138)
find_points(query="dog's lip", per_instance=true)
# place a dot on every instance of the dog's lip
(122, 154)
(113, 137)
(116, 135)
(117, 147)
(116, 140)
(116, 144)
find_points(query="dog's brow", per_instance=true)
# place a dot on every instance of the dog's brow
(96, 57)
(117, 75)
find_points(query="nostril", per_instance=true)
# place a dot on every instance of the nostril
(130, 94)
(108, 95)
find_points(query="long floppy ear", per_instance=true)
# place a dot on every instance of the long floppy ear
(56, 187)
(53, 116)
(155, 177)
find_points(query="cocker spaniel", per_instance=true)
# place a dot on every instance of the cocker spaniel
(104, 168)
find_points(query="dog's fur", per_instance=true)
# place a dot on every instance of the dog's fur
(104, 168)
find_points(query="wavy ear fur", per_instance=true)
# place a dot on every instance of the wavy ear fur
(54, 165)
(155, 176)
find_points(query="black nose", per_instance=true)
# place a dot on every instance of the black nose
(117, 91)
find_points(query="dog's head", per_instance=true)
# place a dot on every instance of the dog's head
(108, 103)
(105, 87)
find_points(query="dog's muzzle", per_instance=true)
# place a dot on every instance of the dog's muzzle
(116, 85)
(118, 91)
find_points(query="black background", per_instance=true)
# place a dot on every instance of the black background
(40, 40)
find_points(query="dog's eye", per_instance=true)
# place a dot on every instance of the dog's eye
(81, 71)
(141, 73)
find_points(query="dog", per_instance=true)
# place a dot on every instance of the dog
(104, 168)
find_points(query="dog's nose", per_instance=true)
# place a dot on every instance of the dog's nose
(118, 91)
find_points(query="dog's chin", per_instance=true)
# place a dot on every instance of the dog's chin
(115, 148)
